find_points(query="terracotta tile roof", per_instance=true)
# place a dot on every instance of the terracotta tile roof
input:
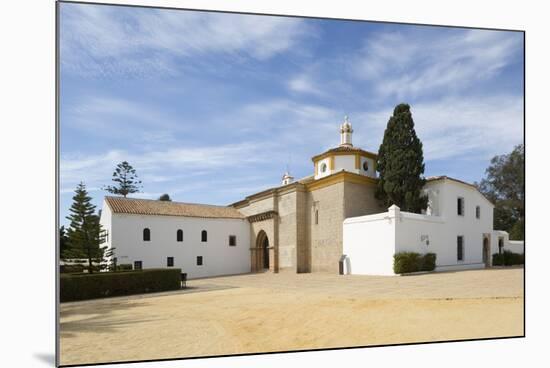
(306, 179)
(442, 177)
(344, 149)
(137, 206)
(348, 148)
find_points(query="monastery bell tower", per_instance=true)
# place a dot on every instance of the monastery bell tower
(345, 133)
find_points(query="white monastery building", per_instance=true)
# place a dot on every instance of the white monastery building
(329, 221)
(202, 240)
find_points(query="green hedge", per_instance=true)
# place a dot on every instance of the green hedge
(74, 268)
(508, 258)
(407, 262)
(104, 284)
(122, 267)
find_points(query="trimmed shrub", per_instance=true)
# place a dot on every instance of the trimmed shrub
(104, 284)
(124, 267)
(429, 262)
(407, 262)
(498, 259)
(508, 258)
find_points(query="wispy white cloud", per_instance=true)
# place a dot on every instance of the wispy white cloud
(138, 122)
(408, 65)
(160, 165)
(103, 40)
(455, 127)
(304, 84)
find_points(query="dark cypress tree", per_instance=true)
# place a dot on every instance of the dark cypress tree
(126, 178)
(85, 235)
(401, 164)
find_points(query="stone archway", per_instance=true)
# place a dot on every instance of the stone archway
(263, 242)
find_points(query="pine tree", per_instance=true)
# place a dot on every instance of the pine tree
(63, 244)
(401, 164)
(126, 178)
(85, 234)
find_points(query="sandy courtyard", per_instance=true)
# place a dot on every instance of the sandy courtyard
(287, 311)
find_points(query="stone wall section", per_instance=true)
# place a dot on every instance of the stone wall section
(325, 229)
(360, 200)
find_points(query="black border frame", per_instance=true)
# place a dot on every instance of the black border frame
(57, 174)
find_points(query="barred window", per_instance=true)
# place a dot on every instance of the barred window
(460, 206)
(460, 248)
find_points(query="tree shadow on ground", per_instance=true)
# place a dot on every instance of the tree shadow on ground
(101, 319)
(101, 312)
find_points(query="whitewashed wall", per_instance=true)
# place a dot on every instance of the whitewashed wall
(370, 247)
(369, 244)
(516, 246)
(319, 173)
(472, 228)
(370, 172)
(346, 163)
(126, 235)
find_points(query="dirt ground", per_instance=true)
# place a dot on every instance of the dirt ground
(287, 311)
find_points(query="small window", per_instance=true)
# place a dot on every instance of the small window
(204, 236)
(146, 234)
(478, 212)
(460, 206)
(323, 167)
(170, 261)
(179, 235)
(232, 240)
(366, 166)
(138, 265)
(316, 217)
(460, 248)
(199, 260)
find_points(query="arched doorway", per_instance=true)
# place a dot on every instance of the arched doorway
(265, 247)
(262, 243)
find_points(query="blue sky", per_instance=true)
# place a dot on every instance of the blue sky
(211, 107)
